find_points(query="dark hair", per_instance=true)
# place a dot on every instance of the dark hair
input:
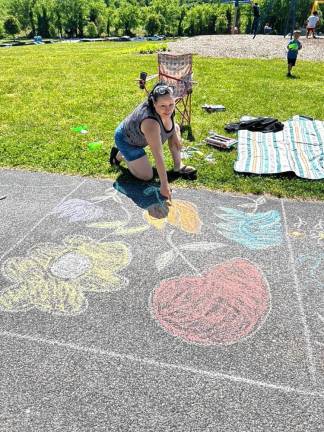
(160, 89)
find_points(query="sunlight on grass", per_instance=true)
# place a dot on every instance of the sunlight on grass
(47, 90)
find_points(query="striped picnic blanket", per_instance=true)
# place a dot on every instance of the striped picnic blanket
(299, 148)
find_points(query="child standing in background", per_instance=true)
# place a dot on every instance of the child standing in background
(292, 52)
(312, 22)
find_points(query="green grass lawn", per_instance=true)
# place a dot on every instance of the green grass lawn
(48, 89)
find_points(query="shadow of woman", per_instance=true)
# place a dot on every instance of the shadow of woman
(145, 195)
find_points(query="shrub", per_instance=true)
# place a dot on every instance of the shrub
(91, 30)
(152, 48)
(153, 24)
(12, 26)
(2, 32)
(221, 24)
(52, 31)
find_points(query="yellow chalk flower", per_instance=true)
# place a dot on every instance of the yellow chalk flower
(54, 278)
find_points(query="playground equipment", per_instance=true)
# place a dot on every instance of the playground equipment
(315, 5)
(291, 21)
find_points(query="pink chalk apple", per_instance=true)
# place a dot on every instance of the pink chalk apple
(220, 307)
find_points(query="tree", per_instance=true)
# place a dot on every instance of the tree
(23, 10)
(211, 18)
(229, 17)
(72, 16)
(98, 15)
(12, 26)
(127, 18)
(152, 24)
(110, 20)
(170, 11)
(97, 9)
(221, 24)
(2, 32)
(91, 30)
(4, 8)
(43, 22)
(182, 14)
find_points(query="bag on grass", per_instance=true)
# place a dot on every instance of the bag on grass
(259, 124)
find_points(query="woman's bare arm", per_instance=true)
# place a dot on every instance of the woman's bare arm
(152, 133)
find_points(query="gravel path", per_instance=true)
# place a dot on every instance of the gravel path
(244, 46)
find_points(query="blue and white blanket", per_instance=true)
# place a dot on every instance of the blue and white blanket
(299, 148)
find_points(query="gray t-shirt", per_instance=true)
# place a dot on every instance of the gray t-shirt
(132, 125)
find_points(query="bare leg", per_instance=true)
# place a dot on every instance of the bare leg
(119, 157)
(175, 145)
(141, 168)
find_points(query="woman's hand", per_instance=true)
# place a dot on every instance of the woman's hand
(166, 191)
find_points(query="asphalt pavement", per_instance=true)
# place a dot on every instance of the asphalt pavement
(121, 312)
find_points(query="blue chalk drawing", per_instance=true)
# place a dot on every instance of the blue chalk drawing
(252, 230)
(314, 263)
(143, 194)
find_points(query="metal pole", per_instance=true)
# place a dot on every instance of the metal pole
(293, 21)
(290, 22)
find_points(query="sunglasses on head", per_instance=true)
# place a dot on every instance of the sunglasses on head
(163, 90)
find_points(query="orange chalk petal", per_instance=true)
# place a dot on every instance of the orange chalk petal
(158, 223)
(184, 215)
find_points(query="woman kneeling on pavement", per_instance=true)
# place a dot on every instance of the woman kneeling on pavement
(151, 124)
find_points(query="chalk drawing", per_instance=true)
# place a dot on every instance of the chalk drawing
(297, 234)
(168, 257)
(39, 222)
(314, 277)
(314, 264)
(299, 295)
(298, 230)
(321, 318)
(301, 230)
(254, 205)
(54, 278)
(117, 227)
(317, 232)
(181, 214)
(78, 210)
(160, 365)
(159, 212)
(252, 230)
(109, 194)
(140, 193)
(222, 306)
